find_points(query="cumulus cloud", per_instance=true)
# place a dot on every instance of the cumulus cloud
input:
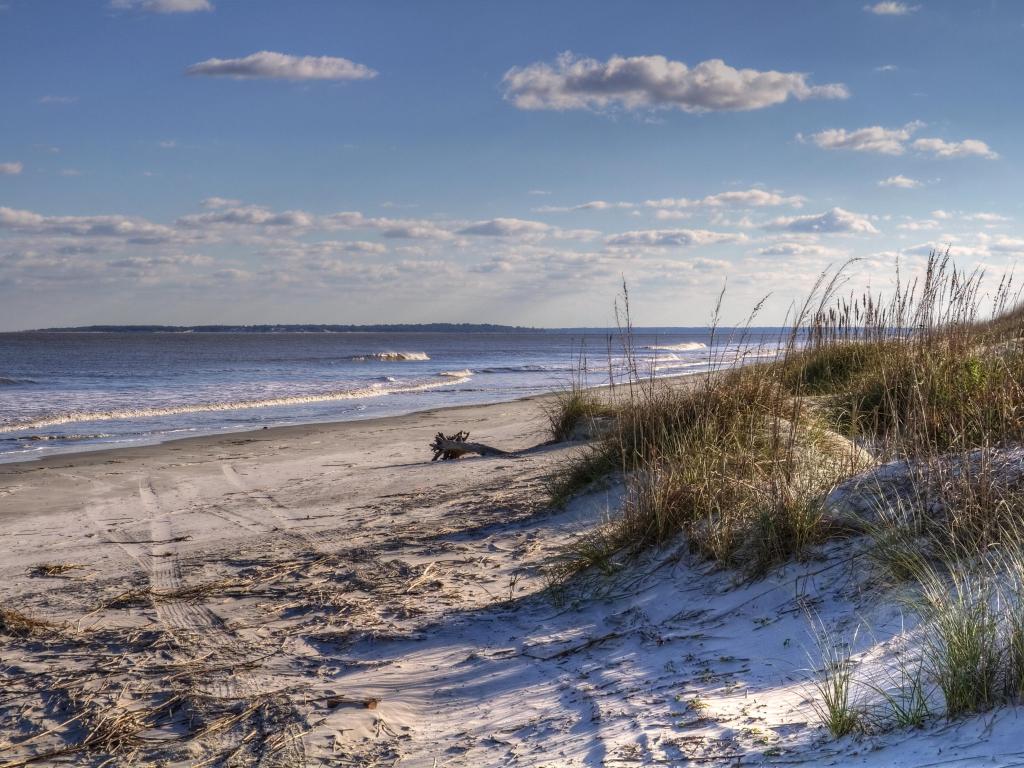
(965, 148)
(646, 82)
(875, 138)
(220, 202)
(895, 141)
(900, 182)
(673, 237)
(891, 9)
(10, 169)
(788, 248)
(134, 229)
(593, 205)
(163, 6)
(281, 66)
(745, 198)
(505, 228)
(251, 215)
(410, 229)
(836, 220)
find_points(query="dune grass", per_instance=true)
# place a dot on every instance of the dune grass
(739, 464)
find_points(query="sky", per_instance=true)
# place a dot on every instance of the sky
(372, 161)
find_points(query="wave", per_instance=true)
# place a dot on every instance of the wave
(391, 357)
(686, 346)
(6, 382)
(527, 368)
(465, 373)
(374, 390)
(99, 436)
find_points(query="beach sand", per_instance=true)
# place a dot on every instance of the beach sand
(325, 595)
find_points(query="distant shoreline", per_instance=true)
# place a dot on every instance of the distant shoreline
(393, 328)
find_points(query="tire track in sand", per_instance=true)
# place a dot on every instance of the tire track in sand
(200, 633)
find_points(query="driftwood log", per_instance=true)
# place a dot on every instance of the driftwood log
(448, 447)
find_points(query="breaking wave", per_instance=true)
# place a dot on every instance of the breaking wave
(463, 374)
(392, 357)
(686, 346)
(373, 390)
(527, 368)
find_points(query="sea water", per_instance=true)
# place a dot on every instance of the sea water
(63, 392)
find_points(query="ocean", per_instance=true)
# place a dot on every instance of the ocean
(63, 392)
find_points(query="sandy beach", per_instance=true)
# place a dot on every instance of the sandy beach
(325, 595)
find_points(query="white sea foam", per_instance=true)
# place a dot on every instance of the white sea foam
(374, 390)
(463, 374)
(393, 357)
(686, 346)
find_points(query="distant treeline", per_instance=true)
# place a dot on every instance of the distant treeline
(301, 328)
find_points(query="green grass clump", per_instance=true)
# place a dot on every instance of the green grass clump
(835, 704)
(573, 409)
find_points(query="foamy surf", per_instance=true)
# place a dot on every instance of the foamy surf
(686, 346)
(374, 390)
(392, 357)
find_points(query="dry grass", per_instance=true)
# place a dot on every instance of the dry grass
(14, 623)
(741, 463)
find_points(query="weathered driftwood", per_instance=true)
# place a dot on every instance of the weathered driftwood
(447, 447)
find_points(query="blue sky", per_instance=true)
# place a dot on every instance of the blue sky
(202, 161)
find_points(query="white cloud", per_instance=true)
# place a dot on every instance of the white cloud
(895, 141)
(886, 68)
(900, 182)
(916, 225)
(136, 230)
(940, 214)
(965, 148)
(891, 9)
(834, 221)
(251, 215)
(593, 205)
(163, 6)
(987, 218)
(746, 198)
(11, 169)
(541, 192)
(505, 228)
(875, 138)
(409, 229)
(788, 248)
(220, 202)
(168, 144)
(281, 66)
(673, 237)
(1007, 245)
(642, 82)
(58, 99)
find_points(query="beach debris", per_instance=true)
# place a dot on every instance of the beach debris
(16, 624)
(448, 447)
(53, 570)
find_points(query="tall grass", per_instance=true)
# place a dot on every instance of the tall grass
(740, 463)
(741, 459)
